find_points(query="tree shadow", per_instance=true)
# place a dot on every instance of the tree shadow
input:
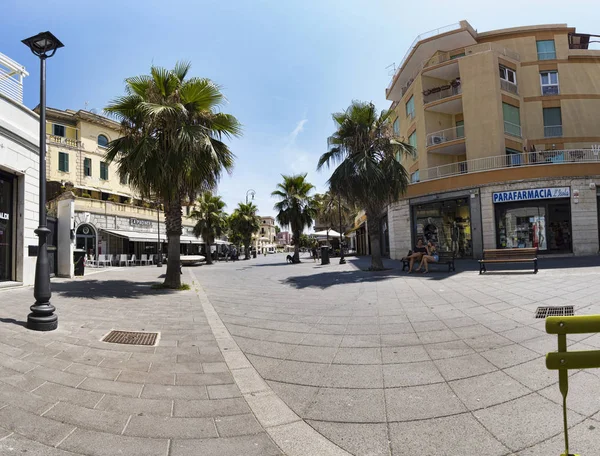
(102, 289)
(325, 280)
(14, 322)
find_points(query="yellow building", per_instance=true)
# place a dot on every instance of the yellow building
(266, 235)
(493, 115)
(97, 211)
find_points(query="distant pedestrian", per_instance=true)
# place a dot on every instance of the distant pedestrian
(314, 254)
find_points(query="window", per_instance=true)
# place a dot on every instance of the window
(397, 126)
(410, 107)
(414, 177)
(412, 139)
(508, 75)
(549, 82)
(103, 170)
(63, 162)
(552, 122)
(102, 141)
(546, 50)
(58, 130)
(513, 157)
(512, 120)
(87, 167)
(460, 129)
(124, 180)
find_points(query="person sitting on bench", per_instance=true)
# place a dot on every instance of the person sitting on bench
(417, 254)
(432, 256)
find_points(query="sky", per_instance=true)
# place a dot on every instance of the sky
(284, 65)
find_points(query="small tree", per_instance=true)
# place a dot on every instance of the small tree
(243, 224)
(211, 220)
(296, 207)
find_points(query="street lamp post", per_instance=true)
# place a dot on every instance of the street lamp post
(342, 259)
(158, 249)
(42, 316)
(250, 192)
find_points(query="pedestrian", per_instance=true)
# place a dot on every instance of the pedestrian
(314, 254)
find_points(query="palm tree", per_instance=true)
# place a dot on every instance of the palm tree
(211, 220)
(172, 145)
(296, 207)
(369, 172)
(335, 212)
(244, 223)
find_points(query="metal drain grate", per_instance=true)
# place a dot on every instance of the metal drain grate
(131, 338)
(556, 311)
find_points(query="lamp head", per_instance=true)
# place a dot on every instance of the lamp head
(43, 44)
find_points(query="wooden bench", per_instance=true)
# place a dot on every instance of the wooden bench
(445, 258)
(528, 255)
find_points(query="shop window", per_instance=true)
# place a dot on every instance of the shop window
(545, 225)
(102, 141)
(549, 82)
(552, 122)
(447, 224)
(546, 50)
(412, 140)
(396, 126)
(63, 162)
(512, 120)
(87, 167)
(410, 108)
(103, 170)
(58, 130)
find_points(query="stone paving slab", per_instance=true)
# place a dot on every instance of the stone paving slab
(393, 364)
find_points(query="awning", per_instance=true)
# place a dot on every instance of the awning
(220, 242)
(190, 240)
(136, 236)
(326, 233)
(96, 189)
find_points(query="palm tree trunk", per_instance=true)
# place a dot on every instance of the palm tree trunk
(373, 226)
(209, 242)
(296, 257)
(173, 224)
(247, 248)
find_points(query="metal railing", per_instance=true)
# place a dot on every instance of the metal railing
(441, 94)
(550, 89)
(553, 131)
(509, 86)
(63, 141)
(442, 136)
(11, 78)
(445, 56)
(511, 160)
(512, 129)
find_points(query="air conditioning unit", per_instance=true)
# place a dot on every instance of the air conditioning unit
(437, 139)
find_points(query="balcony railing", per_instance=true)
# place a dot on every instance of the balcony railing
(450, 134)
(547, 55)
(441, 94)
(512, 129)
(509, 86)
(63, 141)
(554, 131)
(509, 161)
(11, 78)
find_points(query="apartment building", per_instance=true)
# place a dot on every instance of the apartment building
(97, 210)
(505, 128)
(266, 235)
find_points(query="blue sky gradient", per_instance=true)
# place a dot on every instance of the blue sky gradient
(284, 65)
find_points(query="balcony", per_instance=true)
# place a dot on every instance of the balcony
(512, 129)
(554, 131)
(550, 89)
(448, 141)
(509, 87)
(11, 79)
(477, 165)
(66, 142)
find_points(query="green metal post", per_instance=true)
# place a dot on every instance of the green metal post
(563, 384)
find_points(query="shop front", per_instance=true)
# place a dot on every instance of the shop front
(7, 224)
(445, 223)
(538, 218)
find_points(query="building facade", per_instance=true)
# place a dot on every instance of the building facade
(284, 238)
(19, 179)
(266, 235)
(505, 126)
(97, 211)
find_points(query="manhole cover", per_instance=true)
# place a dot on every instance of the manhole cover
(131, 338)
(557, 311)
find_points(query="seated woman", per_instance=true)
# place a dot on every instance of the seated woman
(432, 256)
(417, 254)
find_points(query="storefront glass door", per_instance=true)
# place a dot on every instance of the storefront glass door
(6, 226)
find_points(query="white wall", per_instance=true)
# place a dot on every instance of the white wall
(65, 246)
(19, 130)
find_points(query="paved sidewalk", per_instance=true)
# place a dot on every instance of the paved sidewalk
(65, 392)
(390, 363)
